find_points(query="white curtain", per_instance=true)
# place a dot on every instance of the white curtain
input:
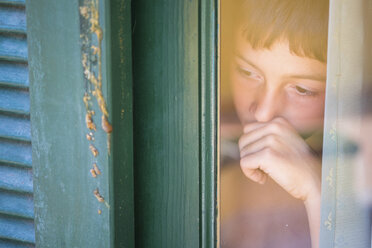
(345, 220)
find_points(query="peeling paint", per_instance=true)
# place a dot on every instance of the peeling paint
(91, 36)
(93, 173)
(93, 150)
(106, 126)
(91, 13)
(96, 170)
(98, 196)
(89, 122)
(122, 114)
(92, 54)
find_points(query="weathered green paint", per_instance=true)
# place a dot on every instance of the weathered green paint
(122, 120)
(175, 123)
(166, 131)
(66, 211)
(209, 123)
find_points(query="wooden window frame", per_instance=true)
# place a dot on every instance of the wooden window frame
(66, 210)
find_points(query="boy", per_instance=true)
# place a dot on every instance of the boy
(278, 75)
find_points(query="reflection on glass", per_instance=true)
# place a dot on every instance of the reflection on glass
(273, 88)
(274, 57)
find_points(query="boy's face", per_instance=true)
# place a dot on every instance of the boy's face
(269, 83)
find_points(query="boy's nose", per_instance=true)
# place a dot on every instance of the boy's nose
(267, 106)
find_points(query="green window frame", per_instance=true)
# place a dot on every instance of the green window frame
(159, 173)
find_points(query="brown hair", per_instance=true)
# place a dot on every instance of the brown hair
(303, 23)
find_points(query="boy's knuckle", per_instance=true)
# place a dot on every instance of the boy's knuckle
(243, 163)
(246, 128)
(243, 152)
(282, 121)
(240, 142)
(279, 119)
(268, 153)
(275, 127)
(271, 139)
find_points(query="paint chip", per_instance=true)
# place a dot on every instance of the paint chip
(93, 150)
(98, 196)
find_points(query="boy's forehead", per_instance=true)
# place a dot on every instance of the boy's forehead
(300, 44)
(279, 58)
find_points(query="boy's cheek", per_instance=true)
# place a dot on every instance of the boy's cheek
(243, 100)
(306, 118)
(243, 112)
(307, 125)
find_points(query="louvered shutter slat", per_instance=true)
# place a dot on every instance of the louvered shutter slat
(13, 244)
(12, 19)
(14, 100)
(16, 188)
(18, 229)
(15, 74)
(13, 47)
(15, 152)
(20, 204)
(15, 127)
(16, 179)
(14, 2)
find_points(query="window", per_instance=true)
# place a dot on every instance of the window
(159, 182)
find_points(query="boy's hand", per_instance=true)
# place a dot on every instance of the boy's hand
(275, 149)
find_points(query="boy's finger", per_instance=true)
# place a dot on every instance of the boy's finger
(252, 136)
(253, 126)
(271, 140)
(271, 128)
(256, 166)
(264, 159)
(256, 175)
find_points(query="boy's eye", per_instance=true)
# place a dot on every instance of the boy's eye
(244, 72)
(249, 74)
(304, 92)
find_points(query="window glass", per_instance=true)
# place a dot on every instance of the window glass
(296, 123)
(273, 86)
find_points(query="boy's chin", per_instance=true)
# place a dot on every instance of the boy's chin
(307, 134)
(314, 140)
(310, 131)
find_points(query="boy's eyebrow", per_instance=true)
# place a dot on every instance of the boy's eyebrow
(320, 78)
(247, 61)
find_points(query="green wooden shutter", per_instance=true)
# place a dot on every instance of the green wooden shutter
(16, 189)
(67, 212)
